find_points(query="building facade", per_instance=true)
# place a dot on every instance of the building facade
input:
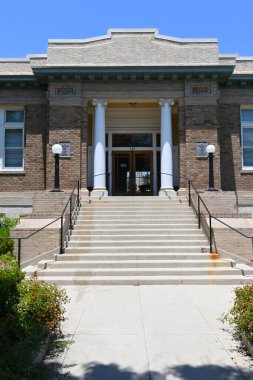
(130, 109)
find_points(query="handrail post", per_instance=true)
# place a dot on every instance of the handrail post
(210, 233)
(70, 214)
(199, 210)
(61, 243)
(78, 194)
(189, 192)
(19, 251)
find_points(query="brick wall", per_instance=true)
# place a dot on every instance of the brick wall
(42, 242)
(232, 242)
(65, 124)
(201, 124)
(47, 204)
(233, 177)
(230, 145)
(199, 119)
(34, 154)
(230, 101)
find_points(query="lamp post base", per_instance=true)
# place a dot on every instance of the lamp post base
(56, 191)
(212, 189)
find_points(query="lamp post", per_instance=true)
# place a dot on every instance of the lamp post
(210, 149)
(56, 149)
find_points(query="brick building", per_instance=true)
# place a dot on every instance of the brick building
(133, 104)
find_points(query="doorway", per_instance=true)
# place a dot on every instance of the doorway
(132, 173)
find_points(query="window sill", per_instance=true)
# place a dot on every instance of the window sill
(246, 171)
(12, 172)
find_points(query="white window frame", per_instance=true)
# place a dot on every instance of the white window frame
(7, 126)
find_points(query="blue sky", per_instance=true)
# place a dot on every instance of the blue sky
(26, 25)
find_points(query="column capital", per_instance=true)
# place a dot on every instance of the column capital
(99, 102)
(163, 102)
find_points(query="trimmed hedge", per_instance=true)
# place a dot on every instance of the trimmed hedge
(7, 245)
(241, 314)
(29, 310)
(10, 277)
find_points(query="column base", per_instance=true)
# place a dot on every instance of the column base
(98, 193)
(168, 192)
(84, 192)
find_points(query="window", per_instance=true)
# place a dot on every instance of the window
(11, 139)
(132, 140)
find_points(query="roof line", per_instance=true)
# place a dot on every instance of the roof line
(36, 56)
(14, 60)
(154, 31)
(244, 59)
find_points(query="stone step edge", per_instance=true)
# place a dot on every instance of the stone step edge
(135, 263)
(142, 271)
(81, 257)
(162, 280)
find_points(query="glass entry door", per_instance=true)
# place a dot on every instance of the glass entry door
(132, 173)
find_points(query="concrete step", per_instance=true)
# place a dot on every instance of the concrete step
(77, 235)
(211, 271)
(139, 249)
(134, 199)
(94, 232)
(136, 264)
(136, 206)
(183, 255)
(133, 214)
(149, 280)
(135, 243)
(148, 207)
(123, 256)
(139, 240)
(137, 222)
(134, 218)
(134, 226)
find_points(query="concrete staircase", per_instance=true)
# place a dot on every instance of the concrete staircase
(138, 241)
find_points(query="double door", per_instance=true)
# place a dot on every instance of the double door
(132, 173)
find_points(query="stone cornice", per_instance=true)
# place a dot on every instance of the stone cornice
(132, 74)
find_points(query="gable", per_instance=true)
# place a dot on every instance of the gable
(143, 47)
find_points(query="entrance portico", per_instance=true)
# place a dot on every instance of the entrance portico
(142, 133)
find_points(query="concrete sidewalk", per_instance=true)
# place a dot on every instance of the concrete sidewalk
(151, 333)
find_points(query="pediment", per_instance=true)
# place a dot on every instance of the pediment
(132, 47)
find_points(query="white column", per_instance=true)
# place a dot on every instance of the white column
(166, 146)
(99, 188)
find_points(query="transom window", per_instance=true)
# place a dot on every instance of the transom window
(132, 140)
(11, 139)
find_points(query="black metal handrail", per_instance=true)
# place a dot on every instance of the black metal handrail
(74, 207)
(210, 216)
(72, 210)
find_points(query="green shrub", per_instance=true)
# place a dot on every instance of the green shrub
(40, 309)
(241, 314)
(7, 245)
(36, 310)
(10, 277)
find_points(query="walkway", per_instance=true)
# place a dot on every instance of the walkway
(151, 333)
